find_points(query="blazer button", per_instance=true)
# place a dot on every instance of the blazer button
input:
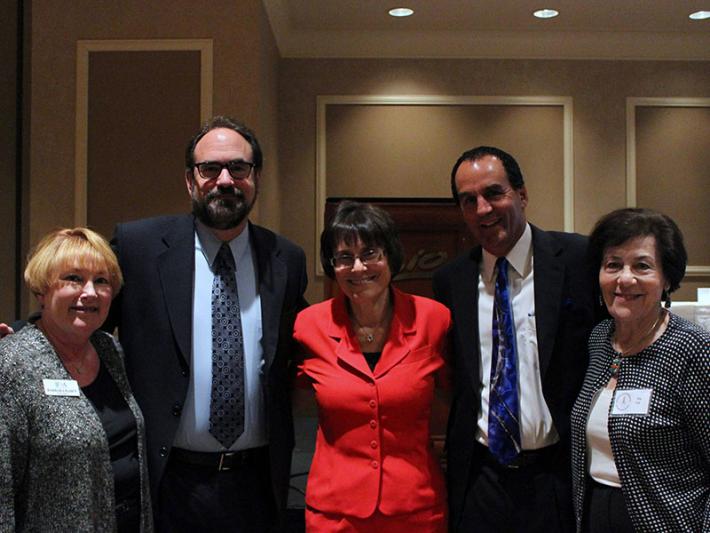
(373, 403)
(163, 451)
(373, 444)
(177, 409)
(373, 424)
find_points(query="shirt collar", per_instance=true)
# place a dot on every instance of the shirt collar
(210, 244)
(519, 257)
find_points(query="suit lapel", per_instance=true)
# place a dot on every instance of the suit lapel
(348, 349)
(176, 267)
(402, 326)
(465, 311)
(272, 276)
(549, 279)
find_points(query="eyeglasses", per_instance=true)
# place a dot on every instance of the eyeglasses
(239, 170)
(367, 258)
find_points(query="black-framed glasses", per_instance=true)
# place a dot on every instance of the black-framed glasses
(237, 168)
(367, 258)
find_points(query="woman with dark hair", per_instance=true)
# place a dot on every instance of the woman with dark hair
(372, 354)
(641, 423)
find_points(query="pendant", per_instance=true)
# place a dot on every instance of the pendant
(370, 337)
(615, 365)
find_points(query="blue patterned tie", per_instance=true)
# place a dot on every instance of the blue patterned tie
(503, 406)
(227, 403)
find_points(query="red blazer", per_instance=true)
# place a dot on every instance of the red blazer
(372, 448)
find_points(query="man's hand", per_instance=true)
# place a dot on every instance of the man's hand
(5, 330)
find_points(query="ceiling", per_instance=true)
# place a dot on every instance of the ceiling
(585, 29)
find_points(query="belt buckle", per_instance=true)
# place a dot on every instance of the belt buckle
(224, 467)
(516, 463)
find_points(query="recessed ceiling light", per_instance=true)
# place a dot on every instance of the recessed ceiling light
(546, 13)
(401, 12)
(700, 15)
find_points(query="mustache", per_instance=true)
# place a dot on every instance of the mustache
(224, 191)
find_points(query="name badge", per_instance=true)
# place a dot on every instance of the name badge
(61, 387)
(631, 402)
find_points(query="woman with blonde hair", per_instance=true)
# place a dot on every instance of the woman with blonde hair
(72, 445)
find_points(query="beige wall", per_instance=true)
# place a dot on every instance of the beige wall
(245, 71)
(390, 151)
(268, 208)
(673, 165)
(598, 89)
(277, 97)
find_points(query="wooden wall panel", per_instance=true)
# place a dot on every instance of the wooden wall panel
(9, 211)
(143, 108)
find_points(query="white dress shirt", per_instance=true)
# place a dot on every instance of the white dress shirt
(536, 427)
(193, 431)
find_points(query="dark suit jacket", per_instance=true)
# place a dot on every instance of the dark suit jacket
(153, 313)
(566, 309)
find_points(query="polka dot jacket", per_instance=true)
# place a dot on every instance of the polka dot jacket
(663, 457)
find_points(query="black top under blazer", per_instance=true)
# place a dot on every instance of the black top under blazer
(153, 313)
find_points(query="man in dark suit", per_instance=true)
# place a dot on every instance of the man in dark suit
(551, 294)
(164, 319)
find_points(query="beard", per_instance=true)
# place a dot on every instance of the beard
(221, 213)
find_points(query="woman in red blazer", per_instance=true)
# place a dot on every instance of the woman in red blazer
(371, 356)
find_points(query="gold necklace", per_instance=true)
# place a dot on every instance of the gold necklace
(616, 362)
(361, 330)
(78, 368)
(370, 337)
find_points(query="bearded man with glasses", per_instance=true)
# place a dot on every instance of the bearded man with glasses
(205, 318)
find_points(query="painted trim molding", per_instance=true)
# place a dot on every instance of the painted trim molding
(631, 104)
(83, 49)
(323, 101)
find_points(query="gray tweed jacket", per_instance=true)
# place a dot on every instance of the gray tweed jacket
(55, 469)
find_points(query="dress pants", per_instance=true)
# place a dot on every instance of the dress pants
(197, 497)
(534, 497)
(605, 510)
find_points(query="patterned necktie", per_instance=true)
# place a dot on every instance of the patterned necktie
(503, 406)
(227, 403)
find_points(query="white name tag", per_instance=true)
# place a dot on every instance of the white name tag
(60, 387)
(631, 402)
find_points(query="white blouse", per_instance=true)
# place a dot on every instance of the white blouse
(602, 467)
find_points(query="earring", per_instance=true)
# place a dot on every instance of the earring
(666, 296)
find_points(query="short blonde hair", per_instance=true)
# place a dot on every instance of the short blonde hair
(66, 248)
